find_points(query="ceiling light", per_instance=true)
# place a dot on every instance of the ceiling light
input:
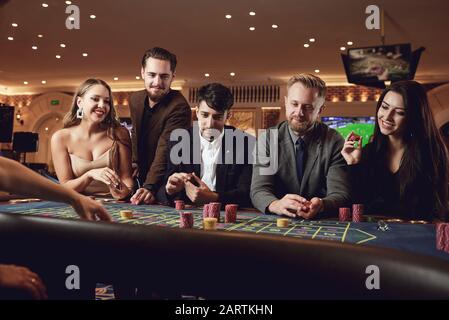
(274, 26)
(252, 28)
(45, 5)
(350, 43)
(206, 75)
(84, 54)
(317, 70)
(137, 78)
(25, 82)
(312, 40)
(15, 25)
(342, 48)
(306, 45)
(232, 74)
(252, 13)
(68, 2)
(92, 16)
(115, 78)
(44, 82)
(62, 45)
(58, 56)
(10, 38)
(228, 16)
(34, 47)
(71, 18)
(39, 36)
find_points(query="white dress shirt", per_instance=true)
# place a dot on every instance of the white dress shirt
(209, 158)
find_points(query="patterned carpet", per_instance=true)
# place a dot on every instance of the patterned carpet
(104, 292)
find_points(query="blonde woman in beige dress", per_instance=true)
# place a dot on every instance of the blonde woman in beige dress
(92, 153)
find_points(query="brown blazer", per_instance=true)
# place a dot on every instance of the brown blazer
(173, 112)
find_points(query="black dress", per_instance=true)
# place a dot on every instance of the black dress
(374, 185)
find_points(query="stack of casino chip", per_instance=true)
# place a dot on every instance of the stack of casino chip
(210, 223)
(213, 210)
(357, 212)
(344, 214)
(282, 222)
(126, 214)
(185, 219)
(231, 213)
(442, 236)
(206, 211)
(179, 205)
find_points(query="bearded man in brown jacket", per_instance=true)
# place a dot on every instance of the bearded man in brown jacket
(155, 113)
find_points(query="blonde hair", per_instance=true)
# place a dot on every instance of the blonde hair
(111, 122)
(70, 118)
(309, 81)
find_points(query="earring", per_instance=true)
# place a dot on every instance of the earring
(80, 113)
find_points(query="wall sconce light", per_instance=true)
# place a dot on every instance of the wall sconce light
(19, 117)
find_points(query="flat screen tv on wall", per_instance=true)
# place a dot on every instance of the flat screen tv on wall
(363, 126)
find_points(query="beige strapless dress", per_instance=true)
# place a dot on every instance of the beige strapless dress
(81, 166)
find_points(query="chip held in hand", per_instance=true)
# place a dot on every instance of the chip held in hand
(354, 137)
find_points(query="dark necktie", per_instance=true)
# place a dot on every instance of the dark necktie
(300, 152)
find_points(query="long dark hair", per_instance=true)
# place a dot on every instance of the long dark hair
(424, 166)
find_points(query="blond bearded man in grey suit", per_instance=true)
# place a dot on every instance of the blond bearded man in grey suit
(309, 176)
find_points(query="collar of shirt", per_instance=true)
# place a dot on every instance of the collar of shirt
(307, 137)
(157, 104)
(208, 145)
(210, 152)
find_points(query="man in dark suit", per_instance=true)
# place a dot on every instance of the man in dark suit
(211, 162)
(155, 113)
(299, 170)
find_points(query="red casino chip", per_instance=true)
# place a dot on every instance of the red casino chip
(357, 212)
(231, 213)
(186, 220)
(344, 214)
(206, 211)
(354, 137)
(214, 210)
(179, 205)
(446, 237)
(440, 235)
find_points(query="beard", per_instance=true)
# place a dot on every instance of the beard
(157, 96)
(298, 126)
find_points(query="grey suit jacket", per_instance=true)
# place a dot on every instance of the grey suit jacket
(325, 174)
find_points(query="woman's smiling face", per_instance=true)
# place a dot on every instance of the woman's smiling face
(391, 115)
(95, 103)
